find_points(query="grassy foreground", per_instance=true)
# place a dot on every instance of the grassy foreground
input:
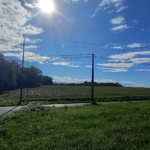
(124, 126)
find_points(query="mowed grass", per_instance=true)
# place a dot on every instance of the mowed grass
(124, 126)
(74, 94)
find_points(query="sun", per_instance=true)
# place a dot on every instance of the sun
(47, 6)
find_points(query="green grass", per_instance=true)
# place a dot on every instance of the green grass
(7, 102)
(74, 94)
(124, 126)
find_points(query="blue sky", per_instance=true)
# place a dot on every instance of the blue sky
(116, 31)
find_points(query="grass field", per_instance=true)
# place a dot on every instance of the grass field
(65, 94)
(123, 126)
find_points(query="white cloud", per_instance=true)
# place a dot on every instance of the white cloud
(117, 65)
(115, 70)
(122, 62)
(127, 56)
(29, 56)
(29, 5)
(88, 66)
(142, 69)
(111, 11)
(33, 47)
(71, 0)
(132, 84)
(118, 20)
(12, 26)
(140, 60)
(118, 5)
(121, 8)
(120, 28)
(63, 63)
(134, 45)
(118, 47)
(108, 2)
(69, 79)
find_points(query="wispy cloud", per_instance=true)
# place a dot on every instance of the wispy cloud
(121, 8)
(118, 47)
(64, 63)
(74, 0)
(132, 84)
(127, 56)
(136, 21)
(146, 30)
(118, 5)
(108, 2)
(140, 60)
(122, 62)
(135, 45)
(68, 79)
(29, 56)
(117, 65)
(120, 27)
(142, 70)
(88, 66)
(115, 70)
(118, 20)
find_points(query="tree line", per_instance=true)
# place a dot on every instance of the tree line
(108, 84)
(11, 76)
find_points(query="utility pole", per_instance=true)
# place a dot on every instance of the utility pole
(92, 83)
(21, 88)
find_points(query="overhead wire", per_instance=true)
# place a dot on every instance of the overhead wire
(96, 48)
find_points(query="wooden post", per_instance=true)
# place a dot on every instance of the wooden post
(92, 83)
(27, 94)
(21, 88)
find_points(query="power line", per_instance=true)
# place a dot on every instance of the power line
(96, 43)
(98, 48)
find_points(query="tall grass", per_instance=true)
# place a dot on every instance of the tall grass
(123, 126)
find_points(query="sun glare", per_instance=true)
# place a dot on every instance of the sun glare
(46, 5)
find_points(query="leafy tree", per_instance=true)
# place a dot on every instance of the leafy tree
(2, 74)
(47, 80)
(11, 76)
